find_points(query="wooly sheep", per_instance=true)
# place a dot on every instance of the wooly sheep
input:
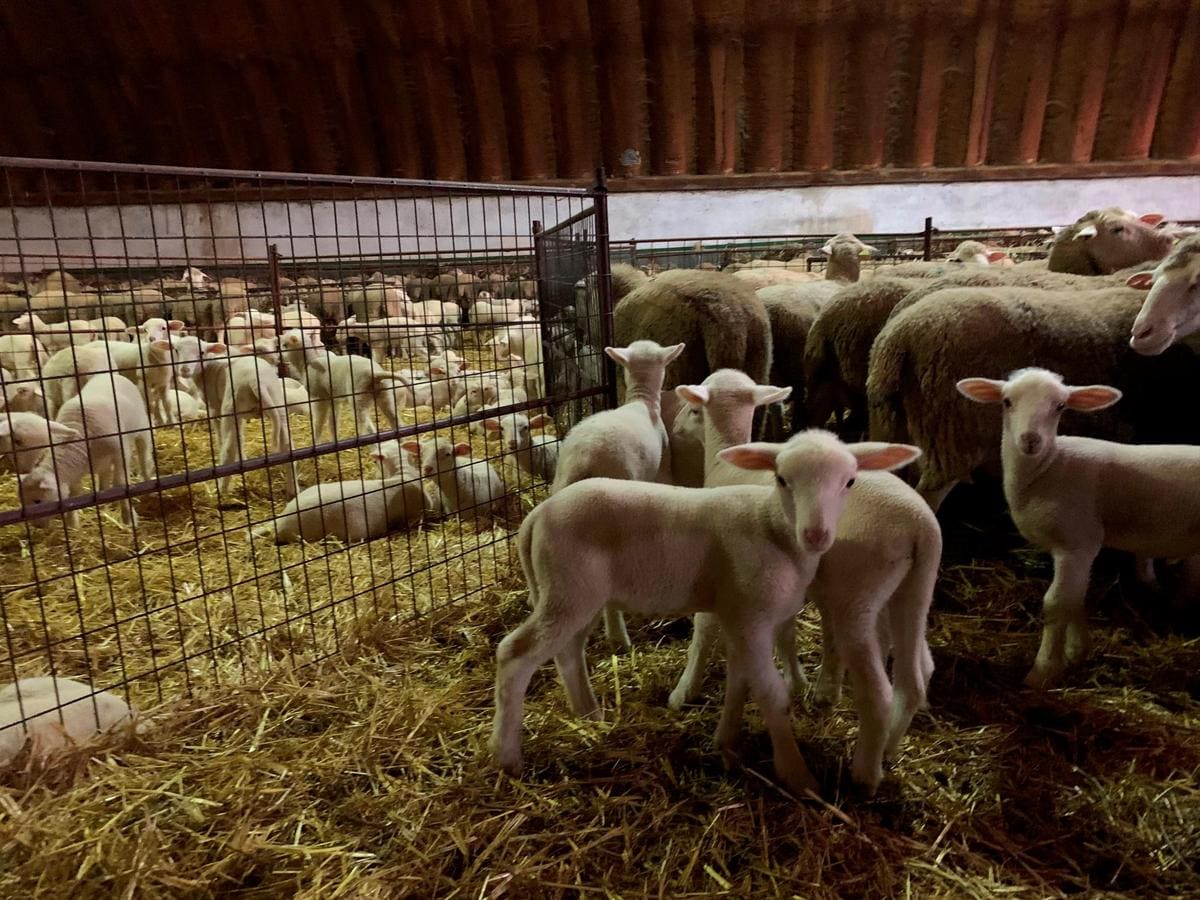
(845, 253)
(626, 279)
(968, 255)
(877, 578)
(1072, 496)
(792, 310)
(536, 454)
(351, 511)
(923, 352)
(361, 383)
(111, 429)
(22, 354)
(1103, 241)
(1171, 311)
(52, 714)
(718, 317)
(746, 553)
(467, 487)
(838, 346)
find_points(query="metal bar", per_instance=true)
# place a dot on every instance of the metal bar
(604, 284)
(927, 239)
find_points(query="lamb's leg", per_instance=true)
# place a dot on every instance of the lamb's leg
(323, 419)
(1065, 625)
(872, 697)
(145, 454)
(282, 439)
(751, 653)
(706, 628)
(833, 669)
(614, 630)
(229, 449)
(785, 649)
(572, 668)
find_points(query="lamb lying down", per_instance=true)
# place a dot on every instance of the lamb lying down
(349, 510)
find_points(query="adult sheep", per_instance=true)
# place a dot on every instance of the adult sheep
(625, 280)
(718, 317)
(968, 255)
(1171, 311)
(792, 310)
(1102, 241)
(923, 352)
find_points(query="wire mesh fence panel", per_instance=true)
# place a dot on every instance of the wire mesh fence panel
(246, 416)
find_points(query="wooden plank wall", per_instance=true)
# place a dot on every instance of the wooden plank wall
(549, 89)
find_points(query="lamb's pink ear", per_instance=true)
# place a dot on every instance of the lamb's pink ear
(672, 352)
(996, 255)
(462, 449)
(246, 348)
(1142, 281)
(215, 348)
(63, 432)
(693, 394)
(982, 390)
(132, 330)
(751, 456)
(436, 370)
(491, 424)
(618, 355)
(1152, 218)
(878, 456)
(175, 325)
(539, 421)
(768, 393)
(1092, 397)
(411, 447)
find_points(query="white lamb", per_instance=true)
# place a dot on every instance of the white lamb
(246, 327)
(348, 510)
(156, 329)
(746, 553)
(877, 579)
(1072, 496)
(22, 354)
(627, 442)
(112, 428)
(23, 396)
(468, 487)
(54, 713)
(181, 406)
(57, 335)
(535, 454)
(25, 437)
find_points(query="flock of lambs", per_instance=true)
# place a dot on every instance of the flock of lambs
(667, 505)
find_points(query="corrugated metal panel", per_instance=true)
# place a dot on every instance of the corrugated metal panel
(544, 89)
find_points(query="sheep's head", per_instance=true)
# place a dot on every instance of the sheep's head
(645, 363)
(1034, 401)
(814, 473)
(437, 455)
(1171, 310)
(39, 486)
(1110, 239)
(726, 398)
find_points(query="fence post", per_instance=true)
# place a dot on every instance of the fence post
(604, 283)
(276, 300)
(928, 239)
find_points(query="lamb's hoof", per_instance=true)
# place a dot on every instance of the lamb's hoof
(826, 694)
(595, 714)
(508, 763)
(1041, 678)
(678, 699)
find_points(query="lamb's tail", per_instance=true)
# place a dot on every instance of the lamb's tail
(525, 551)
(885, 387)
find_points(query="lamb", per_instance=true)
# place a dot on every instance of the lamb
(686, 438)
(838, 347)
(1103, 241)
(792, 310)
(351, 511)
(22, 396)
(246, 326)
(156, 329)
(414, 339)
(22, 354)
(54, 337)
(466, 485)
(968, 254)
(745, 553)
(1071, 496)
(922, 352)
(25, 437)
(1171, 311)
(181, 406)
(112, 428)
(352, 380)
(717, 316)
(877, 577)
(246, 387)
(535, 454)
(54, 713)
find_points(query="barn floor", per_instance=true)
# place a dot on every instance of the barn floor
(365, 775)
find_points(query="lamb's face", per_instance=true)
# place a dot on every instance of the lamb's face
(437, 456)
(515, 433)
(38, 487)
(813, 482)
(1033, 403)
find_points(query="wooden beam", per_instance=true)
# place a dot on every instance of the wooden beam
(818, 150)
(566, 37)
(1160, 39)
(770, 60)
(934, 51)
(1040, 36)
(984, 82)
(622, 72)
(874, 54)
(473, 44)
(1103, 26)
(1178, 131)
(670, 26)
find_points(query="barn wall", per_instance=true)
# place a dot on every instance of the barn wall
(234, 232)
(538, 89)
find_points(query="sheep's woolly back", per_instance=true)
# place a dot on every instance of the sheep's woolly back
(792, 310)
(923, 352)
(625, 280)
(717, 316)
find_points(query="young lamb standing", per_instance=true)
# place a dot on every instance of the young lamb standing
(746, 553)
(877, 578)
(1072, 496)
(628, 442)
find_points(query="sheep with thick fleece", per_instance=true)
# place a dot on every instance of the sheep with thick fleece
(1072, 496)
(22, 396)
(467, 487)
(878, 577)
(1103, 241)
(246, 387)
(56, 713)
(792, 310)
(1171, 311)
(625, 280)
(968, 255)
(112, 429)
(718, 317)
(351, 511)
(923, 352)
(845, 252)
(536, 454)
(745, 553)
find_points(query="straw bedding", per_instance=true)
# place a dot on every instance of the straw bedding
(365, 774)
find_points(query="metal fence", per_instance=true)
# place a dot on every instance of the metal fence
(181, 347)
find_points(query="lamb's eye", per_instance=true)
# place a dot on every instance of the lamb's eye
(1007, 403)
(1061, 406)
(1118, 229)
(779, 481)
(850, 483)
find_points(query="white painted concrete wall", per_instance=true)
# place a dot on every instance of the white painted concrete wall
(201, 234)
